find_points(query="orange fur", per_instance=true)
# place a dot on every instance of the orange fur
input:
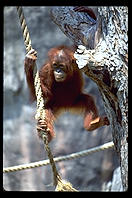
(66, 95)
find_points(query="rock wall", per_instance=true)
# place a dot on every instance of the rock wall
(21, 143)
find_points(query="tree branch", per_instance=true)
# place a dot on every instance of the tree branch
(102, 40)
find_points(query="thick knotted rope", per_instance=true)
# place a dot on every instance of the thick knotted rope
(41, 115)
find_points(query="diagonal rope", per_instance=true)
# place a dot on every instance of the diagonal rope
(26, 36)
(41, 115)
(61, 158)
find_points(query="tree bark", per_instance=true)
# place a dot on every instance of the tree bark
(103, 55)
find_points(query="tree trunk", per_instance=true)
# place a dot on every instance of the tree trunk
(103, 31)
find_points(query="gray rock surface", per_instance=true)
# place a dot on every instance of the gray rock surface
(115, 185)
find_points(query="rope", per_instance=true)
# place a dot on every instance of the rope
(41, 115)
(26, 36)
(61, 158)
